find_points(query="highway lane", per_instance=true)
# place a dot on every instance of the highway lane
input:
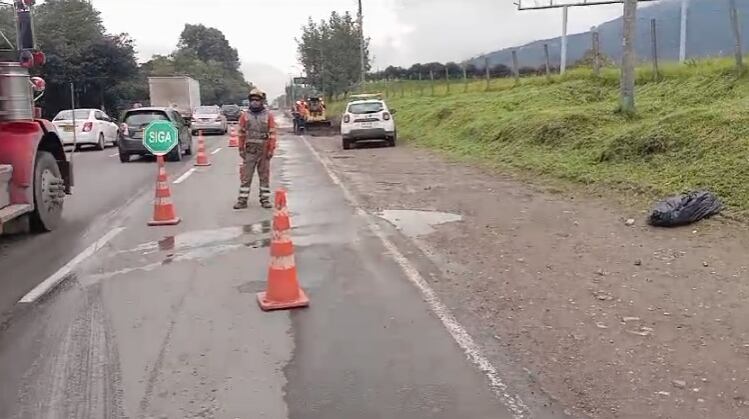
(103, 186)
(163, 322)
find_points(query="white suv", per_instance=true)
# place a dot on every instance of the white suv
(368, 119)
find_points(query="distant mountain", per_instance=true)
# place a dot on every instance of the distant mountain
(708, 34)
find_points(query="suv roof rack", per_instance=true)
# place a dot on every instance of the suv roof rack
(364, 96)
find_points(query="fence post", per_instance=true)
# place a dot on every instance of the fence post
(465, 79)
(548, 61)
(421, 85)
(596, 54)
(654, 39)
(488, 72)
(431, 76)
(447, 79)
(737, 37)
(515, 69)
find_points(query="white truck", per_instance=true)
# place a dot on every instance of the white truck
(179, 92)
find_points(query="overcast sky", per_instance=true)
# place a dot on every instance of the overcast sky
(403, 31)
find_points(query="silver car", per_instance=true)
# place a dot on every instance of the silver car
(209, 119)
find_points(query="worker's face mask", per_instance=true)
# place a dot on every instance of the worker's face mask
(256, 104)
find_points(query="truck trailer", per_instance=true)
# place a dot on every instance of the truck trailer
(179, 92)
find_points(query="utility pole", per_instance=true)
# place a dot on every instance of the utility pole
(515, 66)
(596, 54)
(683, 38)
(563, 65)
(363, 76)
(627, 95)
(737, 36)
(548, 61)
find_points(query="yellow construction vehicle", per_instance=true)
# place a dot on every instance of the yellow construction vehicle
(316, 114)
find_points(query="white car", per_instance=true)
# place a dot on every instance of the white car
(209, 119)
(92, 127)
(368, 119)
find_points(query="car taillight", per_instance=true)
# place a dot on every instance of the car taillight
(124, 130)
(88, 126)
(386, 116)
(347, 118)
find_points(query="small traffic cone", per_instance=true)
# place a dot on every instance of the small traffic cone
(163, 208)
(283, 290)
(233, 138)
(202, 159)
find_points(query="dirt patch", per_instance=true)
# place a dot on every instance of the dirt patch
(611, 320)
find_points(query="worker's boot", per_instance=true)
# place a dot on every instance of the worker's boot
(266, 204)
(241, 204)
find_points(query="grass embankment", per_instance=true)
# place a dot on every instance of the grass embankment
(691, 129)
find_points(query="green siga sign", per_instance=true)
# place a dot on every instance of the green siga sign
(160, 137)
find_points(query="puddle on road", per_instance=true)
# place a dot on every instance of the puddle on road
(193, 245)
(418, 223)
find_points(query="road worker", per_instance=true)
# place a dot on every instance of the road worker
(257, 144)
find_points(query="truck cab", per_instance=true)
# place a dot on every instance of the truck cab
(35, 174)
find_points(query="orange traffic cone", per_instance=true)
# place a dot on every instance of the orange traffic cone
(283, 290)
(233, 139)
(163, 208)
(202, 159)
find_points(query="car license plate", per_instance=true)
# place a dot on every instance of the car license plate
(67, 128)
(366, 125)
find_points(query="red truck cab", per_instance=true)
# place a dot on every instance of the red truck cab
(35, 174)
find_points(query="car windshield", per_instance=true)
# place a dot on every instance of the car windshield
(366, 107)
(68, 115)
(205, 110)
(143, 118)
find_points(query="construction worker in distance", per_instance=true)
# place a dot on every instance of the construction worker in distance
(257, 143)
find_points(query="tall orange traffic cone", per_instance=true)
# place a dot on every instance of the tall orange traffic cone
(283, 290)
(233, 139)
(202, 159)
(163, 208)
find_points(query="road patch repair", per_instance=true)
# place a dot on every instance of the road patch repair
(415, 223)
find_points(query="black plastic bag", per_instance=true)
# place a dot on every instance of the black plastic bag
(685, 209)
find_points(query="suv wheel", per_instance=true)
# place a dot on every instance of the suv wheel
(347, 144)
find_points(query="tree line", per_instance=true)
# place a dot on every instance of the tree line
(104, 68)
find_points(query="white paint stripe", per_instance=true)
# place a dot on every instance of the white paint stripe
(216, 150)
(184, 176)
(472, 350)
(56, 278)
(114, 155)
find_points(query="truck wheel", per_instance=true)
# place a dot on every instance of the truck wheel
(49, 193)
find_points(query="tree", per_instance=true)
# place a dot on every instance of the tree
(204, 54)
(209, 44)
(325, 51)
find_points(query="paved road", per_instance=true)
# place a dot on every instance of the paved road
(162, 322)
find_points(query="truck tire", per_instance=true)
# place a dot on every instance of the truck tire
(49, 193)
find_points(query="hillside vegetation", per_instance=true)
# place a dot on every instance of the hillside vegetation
(691, 129)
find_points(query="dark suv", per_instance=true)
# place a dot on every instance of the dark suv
(231, 112)
(135, 121)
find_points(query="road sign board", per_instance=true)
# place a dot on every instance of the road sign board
(300, 80)
(160, 137)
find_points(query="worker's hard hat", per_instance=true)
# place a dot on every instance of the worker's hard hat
(257, 93)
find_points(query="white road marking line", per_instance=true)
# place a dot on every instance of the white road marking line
(472, 350)
(56, 278)
(184, 176)
(114, 155)
(216, 150)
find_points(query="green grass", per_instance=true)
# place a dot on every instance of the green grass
(691, 129)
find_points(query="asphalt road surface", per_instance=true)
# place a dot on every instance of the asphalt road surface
(162, 322)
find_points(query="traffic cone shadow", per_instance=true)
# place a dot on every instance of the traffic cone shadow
(163, 207)
(283, 291)
(202, 159)
(233, 138)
